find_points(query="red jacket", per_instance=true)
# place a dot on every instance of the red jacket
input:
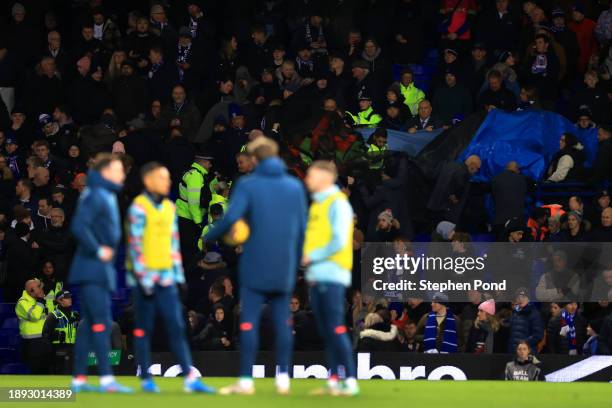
(585, 33)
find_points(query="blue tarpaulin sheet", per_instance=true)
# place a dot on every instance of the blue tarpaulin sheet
(411, 143)
(530, 137)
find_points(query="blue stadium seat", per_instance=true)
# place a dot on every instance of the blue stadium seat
(7, 309)
(8, 355)
(14, 368)
(11, 323)
(9, 337)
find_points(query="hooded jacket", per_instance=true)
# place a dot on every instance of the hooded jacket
(95, 223)
(273, 204)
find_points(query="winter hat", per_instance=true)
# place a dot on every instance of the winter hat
(452, 51)
(575, 214)
(386, 215)
(361, 64)
(600, 193)
(21, 229)
(488, 306)
(514, 224)
(234, 110)
(445, 229)
(503, 56)
(558, 12)
(44, 119)
(18, 8)
(579, 7)
(479, 45)
(451, 70)
(441, 298)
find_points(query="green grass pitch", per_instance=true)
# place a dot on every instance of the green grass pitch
(374, 393)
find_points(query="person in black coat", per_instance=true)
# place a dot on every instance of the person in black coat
(162, 75)
(179, 112)
(89, 96)
(525, 323)
(509, 189)
(450, 193)
(21, 260)
(391, 194)
(602, 167)
(475, 68)
(496, 96)
(542, 71)
(558, 332)
(190, 60)
(499, 27)
(129, 93)
(407, 46)
(364, 83)
(57, 244)
(177, 156)
(44, 91)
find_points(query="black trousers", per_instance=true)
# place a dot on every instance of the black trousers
(38, 355)
(189, 233)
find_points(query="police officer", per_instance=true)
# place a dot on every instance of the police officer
(366, 117)
(194, 196)
(32, 312)
(60, 329)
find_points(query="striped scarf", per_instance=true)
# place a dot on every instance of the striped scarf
(567, 319)
(449, 338)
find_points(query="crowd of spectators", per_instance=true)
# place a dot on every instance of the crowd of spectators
(164, 80)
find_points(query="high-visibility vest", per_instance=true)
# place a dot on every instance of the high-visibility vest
(194, 194)
(32, 315)
(412, 97)
(377, 156)
(217, 199)
(65, 329)
(367, 118)
(319, 231)
(50, 296)
(157, 234)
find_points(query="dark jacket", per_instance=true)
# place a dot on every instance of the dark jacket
(453, 180)
(129, 94)
(57, 245)
(390, 194)
(95, 223)
(450, 102)
(558, 344)
(21, 266)
(502, 99)
(602, 167)
(528, 370)
(88, 99)
(273, 204)
(525, 324)
(604, 345)
(509, 190)
(187, 113)
(161, 82)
